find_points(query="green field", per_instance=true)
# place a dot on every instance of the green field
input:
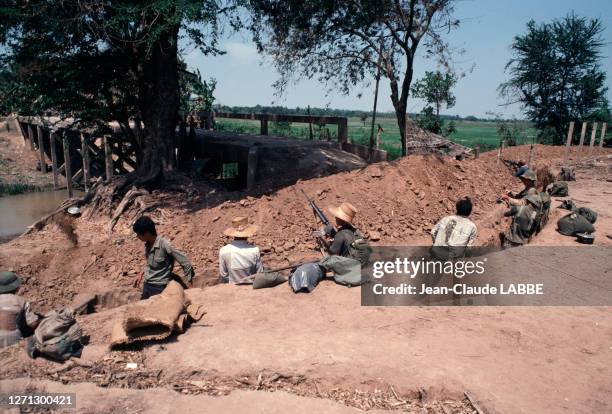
(469, 133)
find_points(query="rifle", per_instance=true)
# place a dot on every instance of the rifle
(291, 266)
(316, 210)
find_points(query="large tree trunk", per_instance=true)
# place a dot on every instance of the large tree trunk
(159, 103)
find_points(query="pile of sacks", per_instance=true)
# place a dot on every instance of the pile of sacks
(577, 223)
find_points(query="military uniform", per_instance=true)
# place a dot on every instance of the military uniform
(523, 221)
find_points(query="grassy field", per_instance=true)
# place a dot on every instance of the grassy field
(469, 133)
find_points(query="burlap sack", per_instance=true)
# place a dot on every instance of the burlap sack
(155, 318)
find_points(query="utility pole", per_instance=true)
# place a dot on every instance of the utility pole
(371, 146)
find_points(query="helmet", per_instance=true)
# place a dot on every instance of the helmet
(529, 175)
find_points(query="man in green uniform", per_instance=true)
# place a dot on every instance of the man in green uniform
(523, 221)
(16, 318)
(160, 256)
(528, 178)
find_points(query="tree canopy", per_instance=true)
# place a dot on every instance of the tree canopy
(555, 73)
(342, 43)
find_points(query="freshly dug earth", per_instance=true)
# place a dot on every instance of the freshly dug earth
(325, 342)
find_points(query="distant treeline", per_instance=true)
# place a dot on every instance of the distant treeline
(282, 110)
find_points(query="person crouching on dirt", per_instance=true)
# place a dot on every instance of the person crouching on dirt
(160, 256)
(16, 319)
(345, 232)
(520, 169)
(452, 235)
(528, 178)
(239, 260)
(523, 222)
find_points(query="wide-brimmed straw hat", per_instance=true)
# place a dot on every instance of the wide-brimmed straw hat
(346, 212)
(241, 228)
(9, 282)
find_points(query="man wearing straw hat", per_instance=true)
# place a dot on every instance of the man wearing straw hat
(15, 315)
(239, 260)
(346, 231)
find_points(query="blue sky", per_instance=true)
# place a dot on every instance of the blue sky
(486, 32)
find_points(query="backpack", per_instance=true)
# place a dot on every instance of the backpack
(574, 223)
(360, 249)
(347, 271)
(306, 277)
(587, 213)
(57, 336)
(558, 188)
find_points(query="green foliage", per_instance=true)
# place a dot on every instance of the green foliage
(343, 43)
(556, 73)
(435, 89)
(196, 94)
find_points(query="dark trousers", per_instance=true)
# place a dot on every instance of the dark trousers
(149, 290)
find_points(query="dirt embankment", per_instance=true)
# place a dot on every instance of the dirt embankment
(398, 203)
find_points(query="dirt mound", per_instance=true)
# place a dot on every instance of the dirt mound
(398, 203)
(419, 141)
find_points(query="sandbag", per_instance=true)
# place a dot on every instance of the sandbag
(558, 189)
(347, 271)
(568, 205)
(306, 277)
(268, 280)
(155, 318)
(588, 214)
(574, 223)
(57, 336)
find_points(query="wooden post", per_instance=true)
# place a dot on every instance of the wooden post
(52, 137)
(67, 166)
(568, 144)
(263, 126)
(252, 167)
(108, 158)
(531, 156)
(342, 131)
(477, 151)
(603, 134)
(85, 156)
(31, 137)
(500, 152)
(593, 134)
(378, 135)
(582, 134)
(41, 149)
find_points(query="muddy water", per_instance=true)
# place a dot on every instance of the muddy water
(17, 212)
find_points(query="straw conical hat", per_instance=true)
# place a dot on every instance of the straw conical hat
(346, 212)
(241, 228)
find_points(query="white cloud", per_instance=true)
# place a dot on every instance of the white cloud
(240, 52)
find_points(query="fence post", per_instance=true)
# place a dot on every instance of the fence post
(53, 159)
(85, 156)
(342, 131)
(67, 165)
(31, 136)
(477, 151)
(41, 149)
(263, 126)
(582, 134)
(108, 158)
(593, 134)
(252, 167)
(603, 134)
(531, 156)
(568, 144)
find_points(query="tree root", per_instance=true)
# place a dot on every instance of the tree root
(130, 196)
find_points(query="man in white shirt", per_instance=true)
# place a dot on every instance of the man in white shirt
(239, 260)
(456, 232)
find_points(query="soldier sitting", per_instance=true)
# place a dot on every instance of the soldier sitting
(524, 220)
(528, 178)
(16, 318)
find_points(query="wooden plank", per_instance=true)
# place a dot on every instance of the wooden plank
(263, 127)
(67, 166)
(476, 151)
(41, 149)
(582, 134)
(108, 158)
(85, 155)
(52, 142)
(531, 156)
(343, 131)
(284, 118)
(593, 134)
(603, 134)
(568, 143)
(77, 176)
